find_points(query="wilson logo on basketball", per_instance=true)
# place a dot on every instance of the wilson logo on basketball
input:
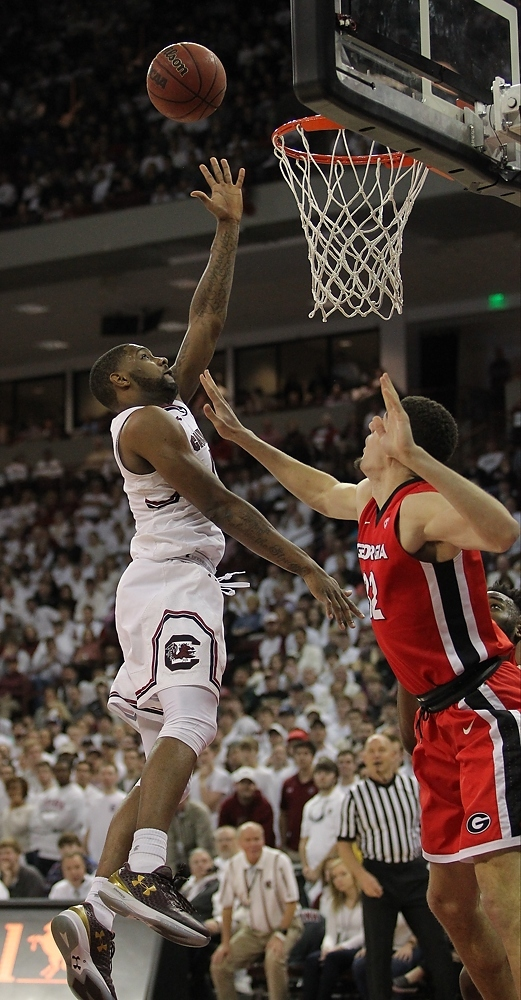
(177, 63)
(180, 652)
(157, 78)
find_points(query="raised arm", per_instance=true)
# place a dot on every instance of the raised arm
(320, 491)
(210, 301)
(461, 514)
(150, 434)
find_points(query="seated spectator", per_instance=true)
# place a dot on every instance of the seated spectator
(344, 935)
(247, 804)
(15, 820)
(270, 925)
(68, 843)
(22, 880)
(76, 882)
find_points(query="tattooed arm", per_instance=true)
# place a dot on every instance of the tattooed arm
(210, 302)
(150, 434)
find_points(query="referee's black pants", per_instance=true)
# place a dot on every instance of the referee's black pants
(405, 891)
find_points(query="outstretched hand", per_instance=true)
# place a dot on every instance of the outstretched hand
(394, 431)
(221, 416)
(225, 201)
(335, 600)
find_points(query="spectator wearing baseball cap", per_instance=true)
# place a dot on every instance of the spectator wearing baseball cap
(273, 641)
(318, 736)
(247, 804)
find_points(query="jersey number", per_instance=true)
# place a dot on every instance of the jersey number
(372, 596)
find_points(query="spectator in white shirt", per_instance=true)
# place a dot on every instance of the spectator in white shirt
(99, 820)
(320, 820)
(59, 808)
(75, 883)
(307, 654)
(210, 784)
(347, 776)
(272, 642)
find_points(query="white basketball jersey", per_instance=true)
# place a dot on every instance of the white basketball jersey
(167, 526)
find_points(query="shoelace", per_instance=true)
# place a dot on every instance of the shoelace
(229, 586)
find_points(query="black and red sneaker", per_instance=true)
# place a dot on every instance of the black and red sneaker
(155, 899)
(87, 948)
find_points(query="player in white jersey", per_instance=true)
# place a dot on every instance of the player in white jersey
(169, 608)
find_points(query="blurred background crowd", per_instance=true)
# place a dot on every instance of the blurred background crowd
(77, 131)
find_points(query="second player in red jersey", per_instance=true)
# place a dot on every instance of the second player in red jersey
(429, 608)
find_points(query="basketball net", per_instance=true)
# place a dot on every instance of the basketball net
(353, 211)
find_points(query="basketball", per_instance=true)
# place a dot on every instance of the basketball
(186, 82)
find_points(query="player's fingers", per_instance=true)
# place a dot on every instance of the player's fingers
(201, 195)
(208, 176)
(218, 174)
(389, 392)
(342, 613)
(210, 413)
(378, 426)
(227, 174)
(240, 178)
(210, 386)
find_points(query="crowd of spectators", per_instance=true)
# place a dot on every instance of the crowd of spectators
(78, 133)
(300, 698)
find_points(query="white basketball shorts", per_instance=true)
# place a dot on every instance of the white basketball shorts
(169, 620)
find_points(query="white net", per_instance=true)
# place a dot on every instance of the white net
(353, 217)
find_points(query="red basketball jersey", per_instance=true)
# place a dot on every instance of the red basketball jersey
(431, 620)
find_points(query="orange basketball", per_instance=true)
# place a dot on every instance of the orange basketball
(186, 82)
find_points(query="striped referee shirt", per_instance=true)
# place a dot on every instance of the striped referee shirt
(385, 819)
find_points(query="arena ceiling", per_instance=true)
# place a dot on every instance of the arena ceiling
(458, 247)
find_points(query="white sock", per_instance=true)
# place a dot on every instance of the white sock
(102, 912)
(148, 850)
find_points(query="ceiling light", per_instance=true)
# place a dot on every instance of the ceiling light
(185, 284)
(53, 345)
(172, 326)
(31, 308)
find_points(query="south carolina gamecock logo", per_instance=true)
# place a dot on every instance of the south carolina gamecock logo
(180, 652)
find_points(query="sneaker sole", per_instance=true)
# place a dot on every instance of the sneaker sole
(174, 930)
(84, 980)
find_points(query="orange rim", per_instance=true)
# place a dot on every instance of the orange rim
(317, 123)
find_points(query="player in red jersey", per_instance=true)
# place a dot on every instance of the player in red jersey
(421, 526)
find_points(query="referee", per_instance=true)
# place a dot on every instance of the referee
(382, 813)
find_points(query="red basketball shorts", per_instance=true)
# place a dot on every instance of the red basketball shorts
(468, 765)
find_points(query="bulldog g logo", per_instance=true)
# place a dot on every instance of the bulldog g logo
(180, 652)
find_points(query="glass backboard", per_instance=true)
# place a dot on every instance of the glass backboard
(438, 79)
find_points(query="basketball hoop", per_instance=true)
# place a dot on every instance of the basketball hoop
(353, 211)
